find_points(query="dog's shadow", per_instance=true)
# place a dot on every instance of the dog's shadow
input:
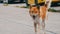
(50, 32)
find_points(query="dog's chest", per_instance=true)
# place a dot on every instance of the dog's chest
(36, 19)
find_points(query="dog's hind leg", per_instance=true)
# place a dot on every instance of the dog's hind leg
(43, 26)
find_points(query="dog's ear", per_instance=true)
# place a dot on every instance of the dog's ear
(30, 6)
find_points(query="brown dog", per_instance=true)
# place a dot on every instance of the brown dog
(36, 13)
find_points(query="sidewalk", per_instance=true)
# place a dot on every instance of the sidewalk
(17, 21)
(14, 5)
(56, 8)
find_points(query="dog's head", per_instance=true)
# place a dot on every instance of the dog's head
(34, 10)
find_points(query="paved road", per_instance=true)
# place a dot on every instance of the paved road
(17, 21)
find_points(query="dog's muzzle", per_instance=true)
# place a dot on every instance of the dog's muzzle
(34, 16)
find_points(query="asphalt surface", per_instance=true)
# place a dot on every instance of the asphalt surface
(15, 20)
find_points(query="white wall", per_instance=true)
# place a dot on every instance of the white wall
(5, 1)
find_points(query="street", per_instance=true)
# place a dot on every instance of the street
(15, 20)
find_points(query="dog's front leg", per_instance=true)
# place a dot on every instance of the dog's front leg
(43, 26)
(38, 28)
(35, 27)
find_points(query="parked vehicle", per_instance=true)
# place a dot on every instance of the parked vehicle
(41, 2)
(1, 1)
(13, 1)
(55, 3)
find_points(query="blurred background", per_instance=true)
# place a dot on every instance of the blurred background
(54, 2)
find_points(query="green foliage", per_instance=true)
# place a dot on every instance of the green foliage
(52, 10)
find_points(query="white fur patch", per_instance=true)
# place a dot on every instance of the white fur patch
(37, 20)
